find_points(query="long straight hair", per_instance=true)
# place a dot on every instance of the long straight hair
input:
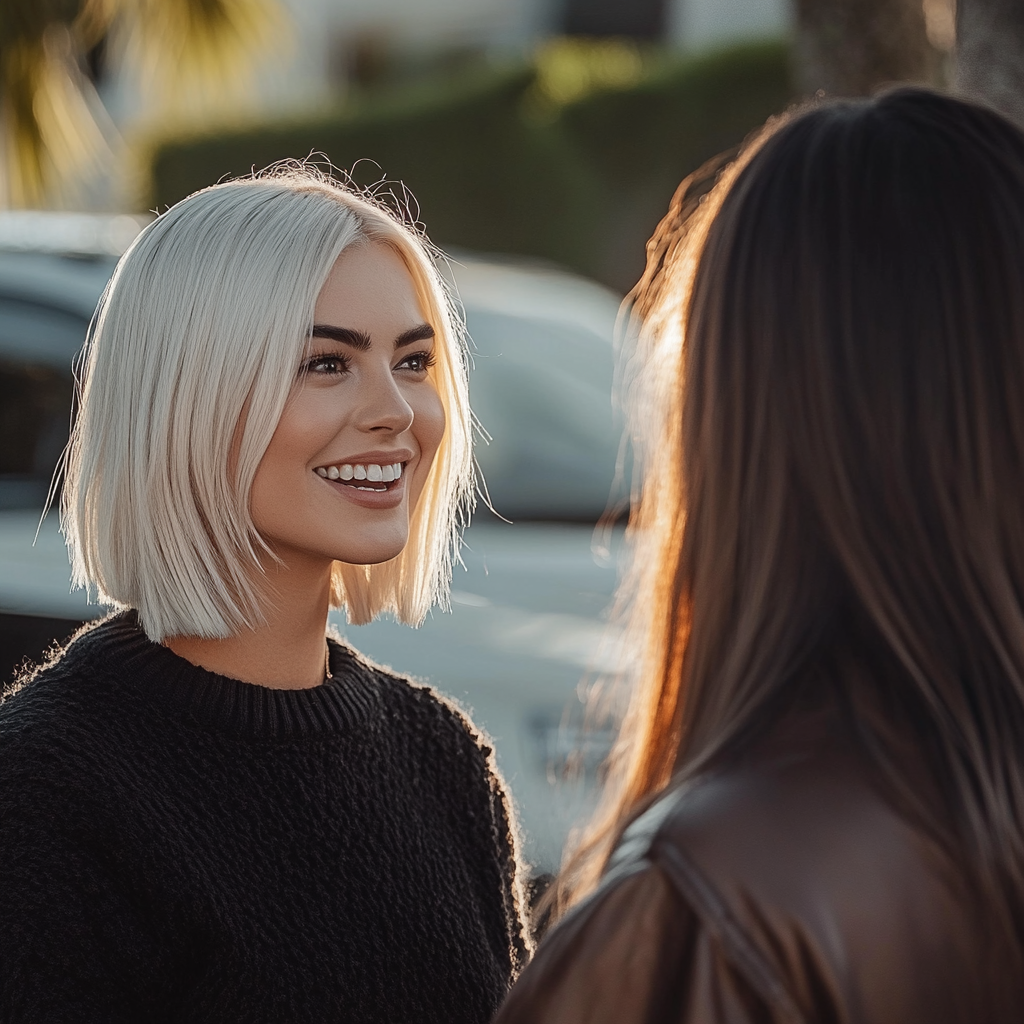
(826, 397)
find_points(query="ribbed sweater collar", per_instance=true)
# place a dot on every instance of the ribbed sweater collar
(118, 649)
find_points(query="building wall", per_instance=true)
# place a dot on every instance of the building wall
(695, 24)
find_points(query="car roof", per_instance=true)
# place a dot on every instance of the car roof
(69, 234)
(72, 284)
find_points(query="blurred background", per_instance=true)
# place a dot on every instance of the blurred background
(548, 128)
(539, 142)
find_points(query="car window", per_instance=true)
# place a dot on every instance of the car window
(36, 347)
(37, 332)
(542, 389)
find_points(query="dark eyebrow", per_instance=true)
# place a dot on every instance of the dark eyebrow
(361, 341)
(422, 332)
(347, 336)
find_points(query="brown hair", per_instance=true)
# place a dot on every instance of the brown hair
(826, 397)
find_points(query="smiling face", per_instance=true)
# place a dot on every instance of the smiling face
(357, 437)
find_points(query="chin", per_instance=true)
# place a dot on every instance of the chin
(369, 554)
(368, 559)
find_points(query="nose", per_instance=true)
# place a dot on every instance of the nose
(382, 406)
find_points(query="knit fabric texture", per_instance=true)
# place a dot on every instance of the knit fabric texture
(177, 846)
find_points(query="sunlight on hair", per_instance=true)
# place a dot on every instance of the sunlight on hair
(940, 23)
(192, 355)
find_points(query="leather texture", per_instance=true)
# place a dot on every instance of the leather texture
(783, 889)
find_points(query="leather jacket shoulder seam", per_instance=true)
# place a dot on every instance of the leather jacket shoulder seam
(711, 908)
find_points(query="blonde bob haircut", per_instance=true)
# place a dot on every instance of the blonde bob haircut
(194, 349)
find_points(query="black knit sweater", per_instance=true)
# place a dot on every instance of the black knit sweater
(179, 846)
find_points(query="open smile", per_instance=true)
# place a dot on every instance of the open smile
(371, 476)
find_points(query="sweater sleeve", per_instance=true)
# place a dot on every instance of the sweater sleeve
(505, 846)
(634, 954)
(489, 809)
(73, 948)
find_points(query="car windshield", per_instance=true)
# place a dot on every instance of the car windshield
(540, 385)
(542, 391)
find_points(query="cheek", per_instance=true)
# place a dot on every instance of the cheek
(305, 426)
(428, 427)
(429, 424)
(309, 421)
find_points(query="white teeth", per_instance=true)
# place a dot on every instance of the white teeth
(373, 472)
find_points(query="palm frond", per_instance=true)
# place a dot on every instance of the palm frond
(191, 55)
(194, 56)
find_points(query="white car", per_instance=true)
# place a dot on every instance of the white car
(526, 626)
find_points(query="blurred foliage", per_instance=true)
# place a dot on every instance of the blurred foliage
(482, 176)
(186, 52)
(572, 159)
(642, 141)
(569, 68)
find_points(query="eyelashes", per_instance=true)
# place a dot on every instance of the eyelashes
(425, 360)
(326, 363)
(331, 364)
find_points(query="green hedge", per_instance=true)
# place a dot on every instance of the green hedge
(583, 187)
(641, 142)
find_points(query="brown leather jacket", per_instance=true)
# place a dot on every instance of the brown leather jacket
(781, 889)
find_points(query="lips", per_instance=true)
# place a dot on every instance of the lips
(369, 472)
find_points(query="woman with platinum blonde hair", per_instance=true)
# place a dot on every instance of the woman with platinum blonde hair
(209, 810)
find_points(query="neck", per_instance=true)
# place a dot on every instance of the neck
(287, 651)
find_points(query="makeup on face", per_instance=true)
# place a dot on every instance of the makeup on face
(358, 435)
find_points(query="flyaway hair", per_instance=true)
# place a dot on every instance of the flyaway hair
(193, 351)
(826, 397)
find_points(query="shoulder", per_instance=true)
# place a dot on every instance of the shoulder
(633, 952)
(63, 769)
(797, 822)
(52, 697)
(766, 889)
(416, 707)
(795, 867)
(454, 765)
(450, 756)
(70, 731)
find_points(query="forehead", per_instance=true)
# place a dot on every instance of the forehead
(369, 286)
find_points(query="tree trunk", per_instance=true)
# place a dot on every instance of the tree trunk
(989, 54)
(852, 47)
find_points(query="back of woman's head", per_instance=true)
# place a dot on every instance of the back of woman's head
(853, 408)
(827, 395)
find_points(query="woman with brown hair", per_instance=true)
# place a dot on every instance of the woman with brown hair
(816, 810)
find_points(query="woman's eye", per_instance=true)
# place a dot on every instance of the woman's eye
(418, 362)
(326, 365)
